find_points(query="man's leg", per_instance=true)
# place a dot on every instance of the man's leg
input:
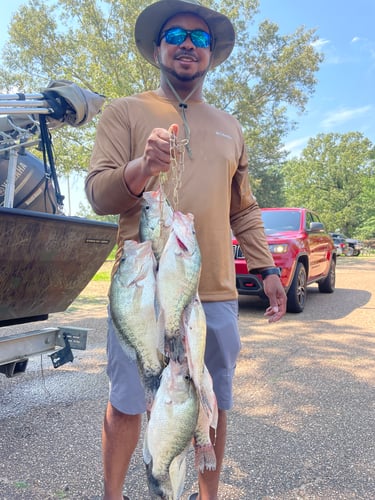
(209, 480)
(123, 417)
(119, 440)
(222, 348)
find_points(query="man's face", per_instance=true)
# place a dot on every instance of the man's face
(185, 62)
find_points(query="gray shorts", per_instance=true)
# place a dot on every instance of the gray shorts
(223, 344)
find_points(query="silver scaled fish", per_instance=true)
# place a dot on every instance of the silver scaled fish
(132, 306)
(194, 338)
(169, 431)
(155, 220)
(177, 281)
(194, 321)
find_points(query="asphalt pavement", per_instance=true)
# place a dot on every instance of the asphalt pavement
(302, 426)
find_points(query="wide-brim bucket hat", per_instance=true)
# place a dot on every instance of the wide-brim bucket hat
(151, 20)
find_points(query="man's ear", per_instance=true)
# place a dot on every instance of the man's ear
(156, 53)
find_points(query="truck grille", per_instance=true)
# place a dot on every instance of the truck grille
(237, 252)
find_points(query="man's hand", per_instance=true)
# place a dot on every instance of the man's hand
(277, 297)
(156, 157)
(155, 160)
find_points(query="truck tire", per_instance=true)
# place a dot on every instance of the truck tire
(356, 253)
(296, 296)
(349, 251)
(327, 285)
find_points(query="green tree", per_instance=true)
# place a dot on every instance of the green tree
(91, 43)
(334, 176)
(86, 211)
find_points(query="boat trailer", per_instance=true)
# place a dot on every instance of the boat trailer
(46, 257)
(15, 350)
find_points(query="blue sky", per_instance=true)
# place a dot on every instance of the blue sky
(344, 99)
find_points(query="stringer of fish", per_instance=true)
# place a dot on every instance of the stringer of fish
(182, 404)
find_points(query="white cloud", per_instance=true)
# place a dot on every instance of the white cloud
(295, 147)
(343, 115)
(319, 44)
(365, 45)
(330, 54)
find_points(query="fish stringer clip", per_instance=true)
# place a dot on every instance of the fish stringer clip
(177, 165)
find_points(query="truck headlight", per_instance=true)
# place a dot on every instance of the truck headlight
(279, 248)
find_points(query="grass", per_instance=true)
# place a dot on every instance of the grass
(102, 275)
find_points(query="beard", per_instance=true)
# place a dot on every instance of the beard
(182, 78)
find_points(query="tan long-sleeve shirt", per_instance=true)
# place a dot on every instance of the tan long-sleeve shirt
(215, 185)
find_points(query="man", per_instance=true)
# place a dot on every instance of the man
(184, 40)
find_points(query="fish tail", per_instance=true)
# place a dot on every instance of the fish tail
(205, 458)
(174, 348)
(151, 385)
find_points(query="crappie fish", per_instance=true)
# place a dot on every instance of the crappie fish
(155, 220)
(170, 429)
(194, 320)
(194, 337)
(205, 457)
(177, 281)
(132, 306)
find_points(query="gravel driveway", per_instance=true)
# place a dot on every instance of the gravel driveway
(302, 426)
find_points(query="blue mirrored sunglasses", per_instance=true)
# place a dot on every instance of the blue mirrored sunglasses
(176, 36)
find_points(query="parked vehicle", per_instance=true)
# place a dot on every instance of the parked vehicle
(340, 244)
(301, 249)
(354, 246)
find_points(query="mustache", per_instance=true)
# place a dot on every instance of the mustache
(187, 53)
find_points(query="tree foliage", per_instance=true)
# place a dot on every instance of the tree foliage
(84, 210)
(335, 177)
(91, 42)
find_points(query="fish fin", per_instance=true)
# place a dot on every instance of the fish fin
(126, 347)
(177, 474)
(215, 416)
(161, 332)
(147, 458)
(205, 401)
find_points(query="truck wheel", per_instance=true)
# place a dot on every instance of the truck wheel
(349, 252)
(356, 253)
(297, 292)
(327, 285)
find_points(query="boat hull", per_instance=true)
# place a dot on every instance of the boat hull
(46, 261)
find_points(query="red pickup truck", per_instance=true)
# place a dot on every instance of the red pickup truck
(301, 249)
